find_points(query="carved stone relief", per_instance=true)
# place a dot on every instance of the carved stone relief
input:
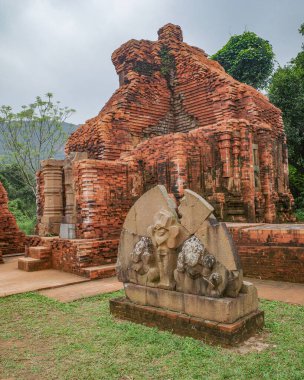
(178, 253)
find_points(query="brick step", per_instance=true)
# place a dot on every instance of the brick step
(236, 212)
(30, 264)
(39, 252)
(101, 271)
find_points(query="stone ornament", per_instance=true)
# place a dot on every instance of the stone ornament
(176, 251)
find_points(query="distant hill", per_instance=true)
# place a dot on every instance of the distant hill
(69, 128)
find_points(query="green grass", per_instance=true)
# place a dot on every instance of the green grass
(44, 339)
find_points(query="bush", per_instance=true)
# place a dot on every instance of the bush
(296, 183)
(25, 222)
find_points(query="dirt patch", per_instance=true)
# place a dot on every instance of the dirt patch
(256, 343)
(9, 344)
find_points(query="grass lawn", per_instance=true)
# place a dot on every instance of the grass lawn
(44, 339)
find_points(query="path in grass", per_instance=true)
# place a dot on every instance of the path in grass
(45, 339)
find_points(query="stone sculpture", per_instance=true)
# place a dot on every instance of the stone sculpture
(171, 256)
(182, 259)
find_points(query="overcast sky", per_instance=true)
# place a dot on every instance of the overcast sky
(65, 46)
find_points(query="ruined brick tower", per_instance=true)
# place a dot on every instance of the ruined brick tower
(11, 238)
(177, 119)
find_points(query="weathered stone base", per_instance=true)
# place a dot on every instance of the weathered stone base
(225, 334)
(221, 310)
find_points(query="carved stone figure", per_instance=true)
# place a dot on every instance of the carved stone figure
(164, 233)
(198, 272)
(184, 261)
(178, 254)
(143, 269)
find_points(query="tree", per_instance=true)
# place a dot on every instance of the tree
(33, 134)
(247, 58)
(286, 91)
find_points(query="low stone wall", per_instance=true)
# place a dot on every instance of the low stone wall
(75, 255)
(270, 251)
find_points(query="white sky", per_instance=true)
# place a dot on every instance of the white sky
(65, 46)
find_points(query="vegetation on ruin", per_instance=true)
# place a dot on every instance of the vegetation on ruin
(247, 58)
(286, 91)
(145, 68)
(45, 339)
(167, 67)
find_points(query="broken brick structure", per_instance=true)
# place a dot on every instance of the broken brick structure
(177, 119)
(12, 240)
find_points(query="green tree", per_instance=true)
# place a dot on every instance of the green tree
(286, 91)
(247, 58)
(22, 202)
(33, 134)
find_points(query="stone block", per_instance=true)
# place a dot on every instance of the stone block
(39, 252)
(97, 272)
(30, 264)
(221, 310)
(67, 231)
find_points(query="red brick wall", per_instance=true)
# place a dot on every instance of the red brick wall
(273, 263)
(74, 255)
(103, 198)
(271, 252)
(11, 238)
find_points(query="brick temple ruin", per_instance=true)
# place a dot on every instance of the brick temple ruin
(12, 240)
(177, 119)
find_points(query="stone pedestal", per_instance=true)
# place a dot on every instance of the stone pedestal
(225, 334)
(219, 310)
(225, 321)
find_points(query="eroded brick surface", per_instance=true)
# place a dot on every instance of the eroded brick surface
(185, 123)
(11, 238)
